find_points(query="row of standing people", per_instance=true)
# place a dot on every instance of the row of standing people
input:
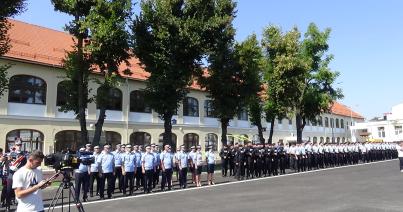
(131, 169)
(251, 161)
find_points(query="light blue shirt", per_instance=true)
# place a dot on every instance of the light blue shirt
(192, 156)
(83, 168)
(118, 158)
(106, 160)
(210, 157)
(167, 159)
(94, 166)
(129, 161)
(138, 159)
(183, 159)
(148, 160)
(157, 159)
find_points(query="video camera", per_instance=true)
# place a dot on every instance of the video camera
(68, 160)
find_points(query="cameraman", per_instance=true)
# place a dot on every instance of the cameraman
(82, 175)
(27, 182)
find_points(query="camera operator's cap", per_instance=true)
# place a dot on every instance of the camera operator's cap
(88, 145)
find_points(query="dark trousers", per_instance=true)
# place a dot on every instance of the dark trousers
(129, 182)
(148, 180)
(183, 177)
(156, 177)
(82, 182)
(111, 180)
(7, 193)
(231, 168)
(166, 179)
(224, 167)
(119, 177)
(139, 178)
(240, 170)
(94, 176)
(401, 163)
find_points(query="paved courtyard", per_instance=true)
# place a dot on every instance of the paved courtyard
(366, 188)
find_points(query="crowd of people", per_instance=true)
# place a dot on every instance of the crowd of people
(137, 167)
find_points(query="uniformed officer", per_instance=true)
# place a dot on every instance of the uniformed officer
(148, 169)
(249, 160)
(106, 167)
(231, 159)
(118, 167)
(155, 150)
(210, 161)
(176, 162)
(183, 164)
(225, 157)
(129, 167)
(281, 153)
(240, 162)
(192, 167)
(138, 173)
(198, 165)
(94, 174)
(167, 163)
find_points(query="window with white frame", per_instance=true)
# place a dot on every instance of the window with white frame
(398, 130)
(381, 132)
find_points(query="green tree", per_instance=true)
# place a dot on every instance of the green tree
(316, 90)
(8, 8)
(285, 69)
(170, 39)
(103, 42)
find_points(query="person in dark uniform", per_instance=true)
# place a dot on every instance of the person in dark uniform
(249, 161)
(274, 160)
(231, 159)
(225, 157)
(240, 162)
(259, 158)
(267, 160)
(282, 158)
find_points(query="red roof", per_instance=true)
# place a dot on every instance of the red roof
(40, 45)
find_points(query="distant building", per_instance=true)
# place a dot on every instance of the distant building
(29, 109)
(387, 128)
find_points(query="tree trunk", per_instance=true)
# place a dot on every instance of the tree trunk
(260, 132)
(300, 124)
(82, 93)
(270, 141)
(167, 138)
(224, 125)
(98, 126)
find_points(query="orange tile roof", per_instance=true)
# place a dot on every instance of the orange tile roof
(340, 109)
(40, 45)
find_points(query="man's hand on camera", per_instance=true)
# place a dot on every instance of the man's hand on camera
(43, 184)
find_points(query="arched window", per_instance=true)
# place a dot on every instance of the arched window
(208, 108)
(30, 139)
(190, 139)
(190, 107)
(315, 139)
(114, 100)
(27, 89)
(137, 103)
(337, 123)
(343, 139)
(68, 139)
(61, 98)
(112, 138)
(338, 139)
(327, 139)
(322, 139)
(174, 141)
(342, 123)
(243, 114)
(140, 138)
(331, 123)
(326, 122)
(211, 139)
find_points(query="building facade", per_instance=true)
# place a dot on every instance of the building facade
(29, 109)
(387, 128)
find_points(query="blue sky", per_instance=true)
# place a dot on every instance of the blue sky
(366, 40)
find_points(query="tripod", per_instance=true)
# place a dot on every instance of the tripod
(65, 184)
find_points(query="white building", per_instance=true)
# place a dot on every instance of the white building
(387, 128)
(29, 109)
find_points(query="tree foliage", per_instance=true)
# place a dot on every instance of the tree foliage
(170, 39)
(8, 8)
(102, 45)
